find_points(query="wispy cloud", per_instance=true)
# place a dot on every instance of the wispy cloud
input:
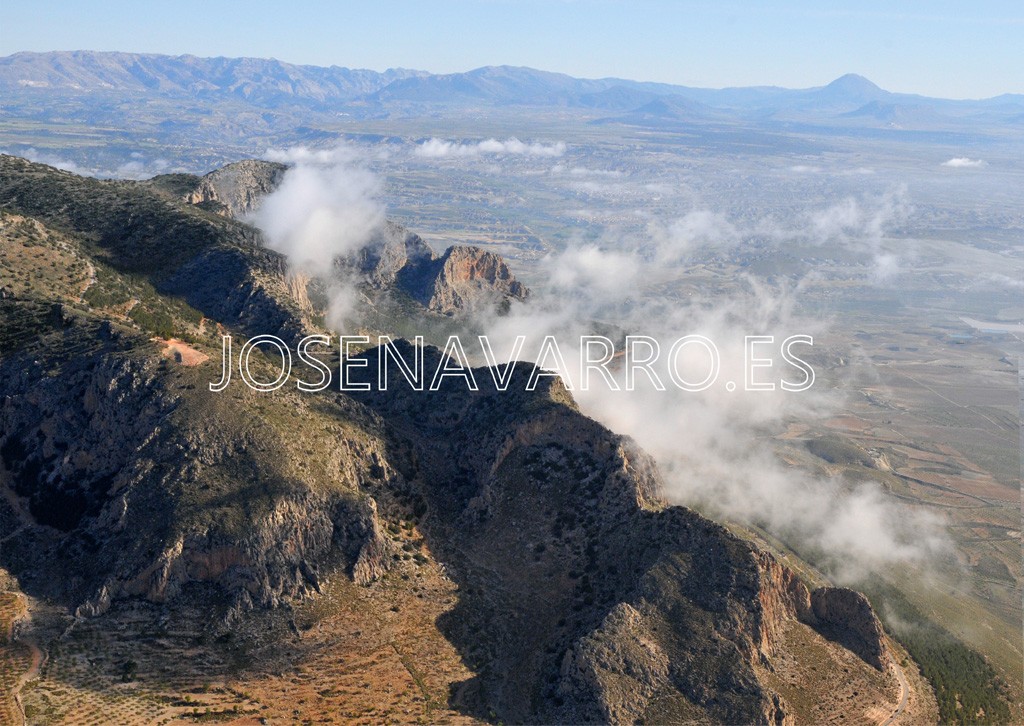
(438, 148)
(136, 167)
(140, 168)
(860, 224)
(994, 278)
(42, 157)
(712, 445)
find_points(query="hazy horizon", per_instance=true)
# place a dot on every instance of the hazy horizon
(942, 50)
(385, 69)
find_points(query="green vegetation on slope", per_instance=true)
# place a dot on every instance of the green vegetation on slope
(967, 688)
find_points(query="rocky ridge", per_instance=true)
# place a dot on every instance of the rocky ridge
(236, 190)
(463, 280)
(471, 279)
(621, 603)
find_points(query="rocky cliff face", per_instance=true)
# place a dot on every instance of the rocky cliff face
(144, 483)
(461, 281)
(847, 616)
(471, 279)
(618, 667)
(784, 597)
(394, 252)
(236, 190)
(253, 288)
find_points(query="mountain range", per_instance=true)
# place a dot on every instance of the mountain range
(273, 84)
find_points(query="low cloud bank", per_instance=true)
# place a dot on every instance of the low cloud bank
(857, 224)
(136, 168)
(716, 446)
(437, 148)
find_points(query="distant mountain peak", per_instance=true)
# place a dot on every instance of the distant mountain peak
(852, 82)
(849, 90)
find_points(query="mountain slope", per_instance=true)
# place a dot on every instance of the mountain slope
(147, 515)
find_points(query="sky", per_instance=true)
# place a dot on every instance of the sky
(944, 48)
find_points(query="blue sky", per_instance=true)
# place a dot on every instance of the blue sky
(940, 48)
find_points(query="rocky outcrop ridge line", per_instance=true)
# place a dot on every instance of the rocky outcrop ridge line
(236, 190)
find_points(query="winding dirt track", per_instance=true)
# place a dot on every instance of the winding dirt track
(38, 658)
(904, 692)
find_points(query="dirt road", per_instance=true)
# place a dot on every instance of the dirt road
(904, 692)
(35, 664)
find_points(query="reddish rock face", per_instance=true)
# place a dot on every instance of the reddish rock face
(463, 279)
(471, 278)
(782, 597)
(463, 264)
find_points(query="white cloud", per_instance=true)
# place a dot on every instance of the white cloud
(697, 229)
(886, 267)
(962, 162)
(586, 171)
(327, 206)
(592, 269)
(42, 157)
(437, 148)
(139, 168)
(995, 278)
